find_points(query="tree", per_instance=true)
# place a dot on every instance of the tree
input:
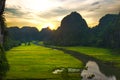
(2, 6)
(107, 33)
(24, 34)
(3, 60)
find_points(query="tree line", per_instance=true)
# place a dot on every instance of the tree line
(16, 36)
(73, 31)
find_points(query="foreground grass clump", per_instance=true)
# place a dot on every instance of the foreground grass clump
(38, 62)
(99, 53)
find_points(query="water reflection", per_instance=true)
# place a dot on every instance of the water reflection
(92, 72)
(69, 70)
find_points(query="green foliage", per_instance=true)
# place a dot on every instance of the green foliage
(3, 63)
(17, 35)
(36, 62)
(107, 33)
(24, 34)
(74, 31)
(9, 43)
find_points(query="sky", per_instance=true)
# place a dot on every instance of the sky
(44, 13)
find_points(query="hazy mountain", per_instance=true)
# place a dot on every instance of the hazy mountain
(107, 32)
(73, 21)
(45, 34)
(23, 34)
(72, 31)
(29, 33)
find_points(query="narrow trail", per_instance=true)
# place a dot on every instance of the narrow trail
(105, 67)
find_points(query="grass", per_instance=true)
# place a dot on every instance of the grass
(38, 62)
(99, 53)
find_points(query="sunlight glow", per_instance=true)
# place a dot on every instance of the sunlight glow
(50, 25)
(39, 5)
(44, 13)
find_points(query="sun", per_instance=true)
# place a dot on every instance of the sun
(50, 25)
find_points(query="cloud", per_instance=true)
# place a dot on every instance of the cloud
(40, 12)
(95, 3)
(54, 13)
(14, 12)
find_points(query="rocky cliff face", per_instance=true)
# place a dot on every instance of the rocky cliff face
(72, 31)
(108, 31)
(73, 21)
(107, 21)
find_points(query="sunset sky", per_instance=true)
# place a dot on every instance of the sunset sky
(44, 13)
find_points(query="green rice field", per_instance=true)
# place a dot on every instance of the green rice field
(102, 54)
(38, 62)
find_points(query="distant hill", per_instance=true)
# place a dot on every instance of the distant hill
(107, 32)
(29, 33)
(23, 34)
(72, 31)
(16, 36)
(45, 34)
(73, 21)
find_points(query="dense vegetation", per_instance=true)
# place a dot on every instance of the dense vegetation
(38, 62)
(16, 36)
(107, 33)
(3, 60)
(3, 64)
(74, 31)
